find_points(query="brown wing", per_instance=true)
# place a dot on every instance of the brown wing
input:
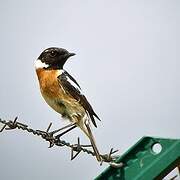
(68, 86)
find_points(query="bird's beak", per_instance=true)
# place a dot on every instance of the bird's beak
(70, 54)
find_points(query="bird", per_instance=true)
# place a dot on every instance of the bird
(63, 93)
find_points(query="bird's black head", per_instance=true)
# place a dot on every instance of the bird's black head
(53, 58)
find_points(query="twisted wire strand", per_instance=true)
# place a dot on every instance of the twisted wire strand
(48, 136)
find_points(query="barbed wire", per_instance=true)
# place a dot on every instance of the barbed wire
(53, 140)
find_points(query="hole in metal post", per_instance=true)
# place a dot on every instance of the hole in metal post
(156, 148)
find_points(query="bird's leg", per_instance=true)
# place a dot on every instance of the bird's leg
(61, 134)
(96, 151)
(65, 127)
(57, 137)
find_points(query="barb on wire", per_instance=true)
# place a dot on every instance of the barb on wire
(76, 149)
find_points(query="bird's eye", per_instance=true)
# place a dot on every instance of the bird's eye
(53, 53)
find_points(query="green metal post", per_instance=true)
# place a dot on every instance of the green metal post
(150, 158)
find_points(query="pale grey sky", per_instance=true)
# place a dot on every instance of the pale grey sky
(127, 64)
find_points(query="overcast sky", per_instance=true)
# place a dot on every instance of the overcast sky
(127, 64)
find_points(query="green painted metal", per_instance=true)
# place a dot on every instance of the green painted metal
(142, 162)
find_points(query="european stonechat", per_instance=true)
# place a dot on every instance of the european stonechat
(62, 92)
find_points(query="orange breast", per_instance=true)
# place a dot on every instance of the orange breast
(49, 83)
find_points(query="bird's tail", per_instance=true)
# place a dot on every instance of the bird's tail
(85, 126)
